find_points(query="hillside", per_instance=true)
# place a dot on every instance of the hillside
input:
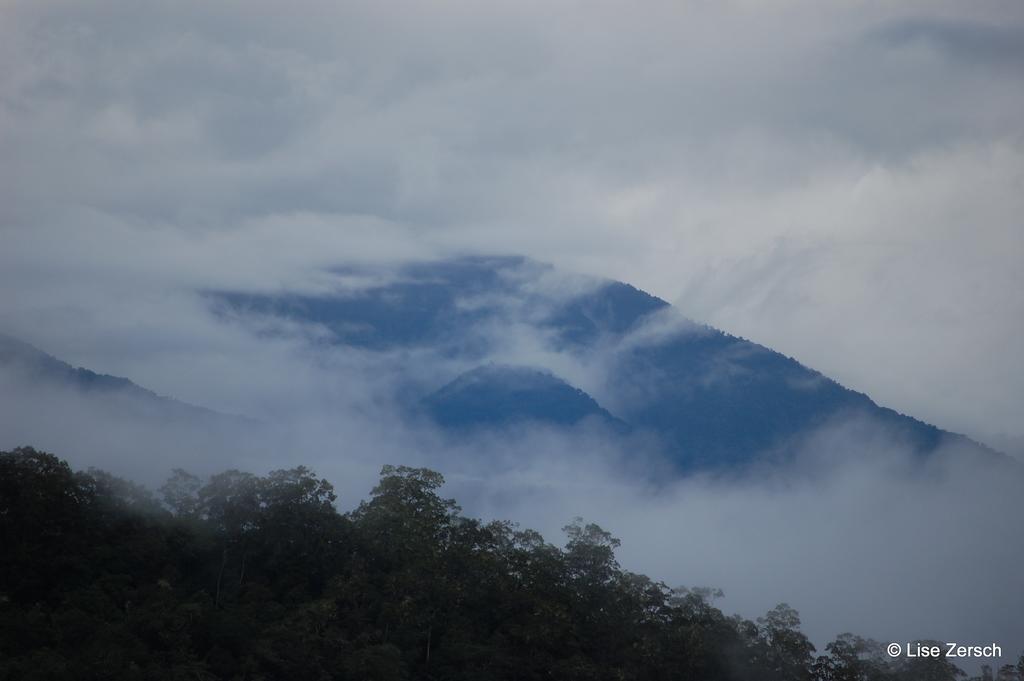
(259, 577)
(712, 399)
(495, 396)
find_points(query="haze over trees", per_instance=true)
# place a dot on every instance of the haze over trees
(260, 577)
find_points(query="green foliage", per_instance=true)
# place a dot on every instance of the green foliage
(245, 577)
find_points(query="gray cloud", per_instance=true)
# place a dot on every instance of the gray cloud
(839, 182)
(985, 44)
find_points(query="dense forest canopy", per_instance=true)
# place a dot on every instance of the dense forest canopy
(260, 577)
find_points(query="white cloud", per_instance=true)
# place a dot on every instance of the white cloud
(839, 182)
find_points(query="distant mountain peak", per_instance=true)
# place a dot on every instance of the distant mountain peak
(38, 365)
(709, 399)
(494, 395)
(29, 363)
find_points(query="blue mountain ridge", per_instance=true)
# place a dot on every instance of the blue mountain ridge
(40, 368)
(715, 400)
(500, 395)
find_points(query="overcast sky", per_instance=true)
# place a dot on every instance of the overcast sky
(843, 182)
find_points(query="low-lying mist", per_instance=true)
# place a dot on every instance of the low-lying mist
(869, 539)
